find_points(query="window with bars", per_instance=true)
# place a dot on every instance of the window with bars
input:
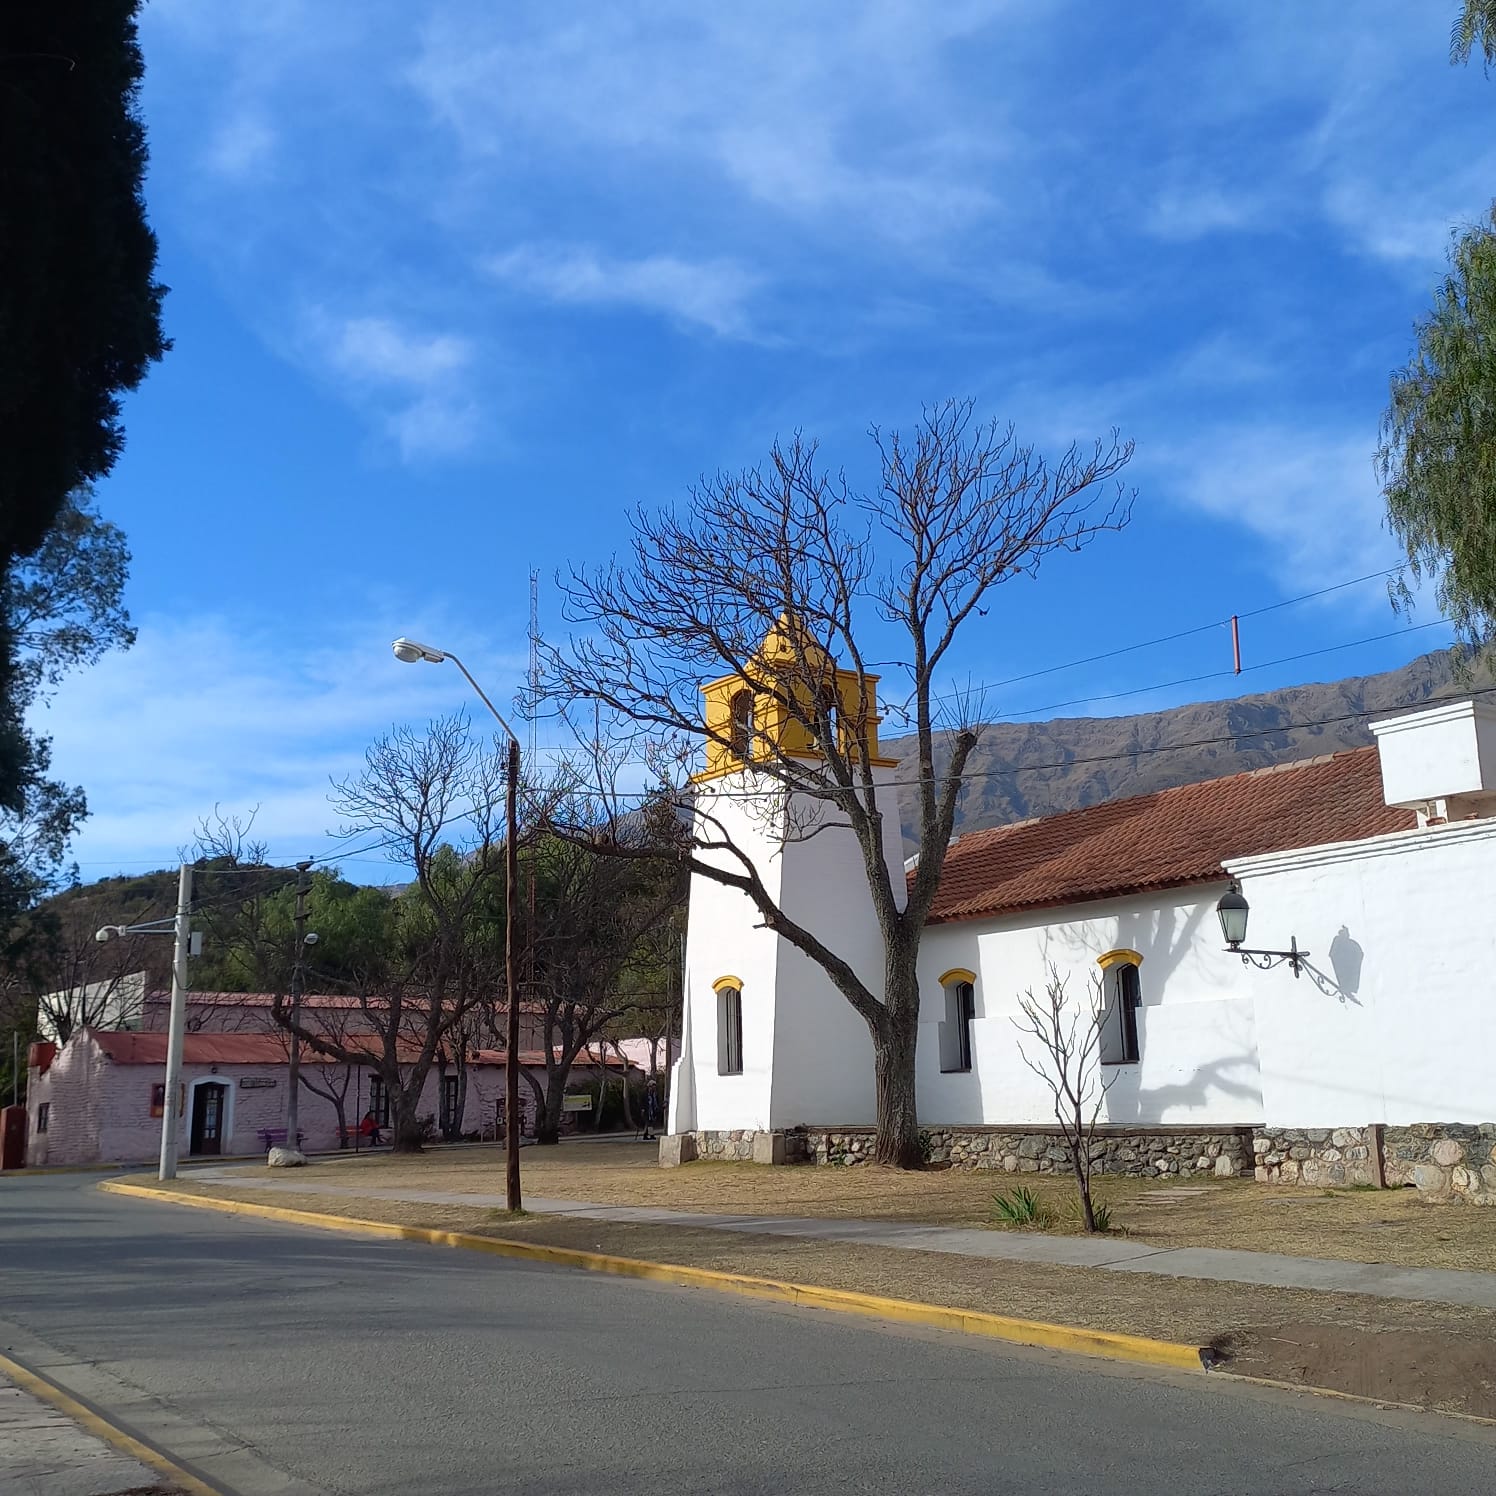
(43, 1115)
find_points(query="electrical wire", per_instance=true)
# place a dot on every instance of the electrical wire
(1189, 633)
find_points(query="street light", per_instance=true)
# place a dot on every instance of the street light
(410, 653)
(1233, 910)
(180, 927)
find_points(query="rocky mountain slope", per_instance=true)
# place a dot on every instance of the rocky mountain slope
(1022, 769)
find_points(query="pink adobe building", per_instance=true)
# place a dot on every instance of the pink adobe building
(99, 1098)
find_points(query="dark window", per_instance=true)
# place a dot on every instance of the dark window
(43, 1115)
(729, 1031)
(741, 731)
(1119, 1018)
(450, 1119)
(158, 1099)
(955, 1032)
(379, 1100)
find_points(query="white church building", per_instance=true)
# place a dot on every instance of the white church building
(1349, 1036)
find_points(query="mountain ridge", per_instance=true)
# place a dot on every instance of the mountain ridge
(1024, 769)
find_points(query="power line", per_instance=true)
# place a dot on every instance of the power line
(1191, 680)
(1202, 628)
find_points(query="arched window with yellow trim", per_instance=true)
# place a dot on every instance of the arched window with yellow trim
(960, 988)
(1122, 996)
(729, 1025)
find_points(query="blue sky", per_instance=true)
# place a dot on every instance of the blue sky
(456, 283)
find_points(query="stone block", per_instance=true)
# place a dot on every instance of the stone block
(1431, 1178)
(286, 1158)
(677, 1148)
(1225, 1168)
(1448, 1152)
(768, 1148)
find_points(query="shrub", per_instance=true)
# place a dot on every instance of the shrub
(1022, 1207)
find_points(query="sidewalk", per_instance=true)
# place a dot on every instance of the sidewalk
(44, 1453)
(1109, 1253)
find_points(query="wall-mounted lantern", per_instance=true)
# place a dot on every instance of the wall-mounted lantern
(1233, 910)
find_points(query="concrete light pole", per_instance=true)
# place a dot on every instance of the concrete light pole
(409, 652)
(298, 979)
(180, 928)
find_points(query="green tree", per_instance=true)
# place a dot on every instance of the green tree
(1474, 29)
(65, 608)
(80, 306)
(1437, 456)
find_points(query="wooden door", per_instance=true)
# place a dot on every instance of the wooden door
(207, 1118)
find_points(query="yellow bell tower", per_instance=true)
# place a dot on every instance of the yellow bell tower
(751, 715)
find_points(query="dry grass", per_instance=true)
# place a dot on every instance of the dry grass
(1139, 1303)
(1388, 1226)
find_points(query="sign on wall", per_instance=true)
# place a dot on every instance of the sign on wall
(257, 1082)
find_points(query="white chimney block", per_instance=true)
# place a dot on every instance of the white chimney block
(1445, 752)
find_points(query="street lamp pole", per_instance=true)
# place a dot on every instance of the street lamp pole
(180, 928)
(409, 652)
(298, 978)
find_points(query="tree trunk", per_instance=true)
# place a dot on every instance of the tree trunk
(407, 1129)
(459, 1111)
(628, 1109)
(894, 1039)
(548, 1125)
(898, 1116)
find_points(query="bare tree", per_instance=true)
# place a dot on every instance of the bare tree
(92, 984)
(589, 933)
(436, 799)
(794, 554)
(1068, 1037)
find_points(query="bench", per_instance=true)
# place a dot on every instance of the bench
(275, 1137)
(347, 1136)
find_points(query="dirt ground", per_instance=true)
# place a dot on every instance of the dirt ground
(1433, 1355)
(1391, 1226)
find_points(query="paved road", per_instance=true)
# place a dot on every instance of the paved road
(287, 1361)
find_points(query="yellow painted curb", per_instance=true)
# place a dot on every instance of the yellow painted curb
(96, 1424)
(1107, 1343)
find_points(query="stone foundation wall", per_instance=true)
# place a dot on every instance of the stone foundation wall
(1224, 1153)
(1445, 1160)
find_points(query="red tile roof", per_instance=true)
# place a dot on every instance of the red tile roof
(129, 1047)
(1169, 839)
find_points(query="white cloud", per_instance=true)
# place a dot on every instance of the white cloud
(1310, 496)
(212, 712)
(242, 146)
(418, 381)
(711, 294)
(838, 114)
(1181, 215)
